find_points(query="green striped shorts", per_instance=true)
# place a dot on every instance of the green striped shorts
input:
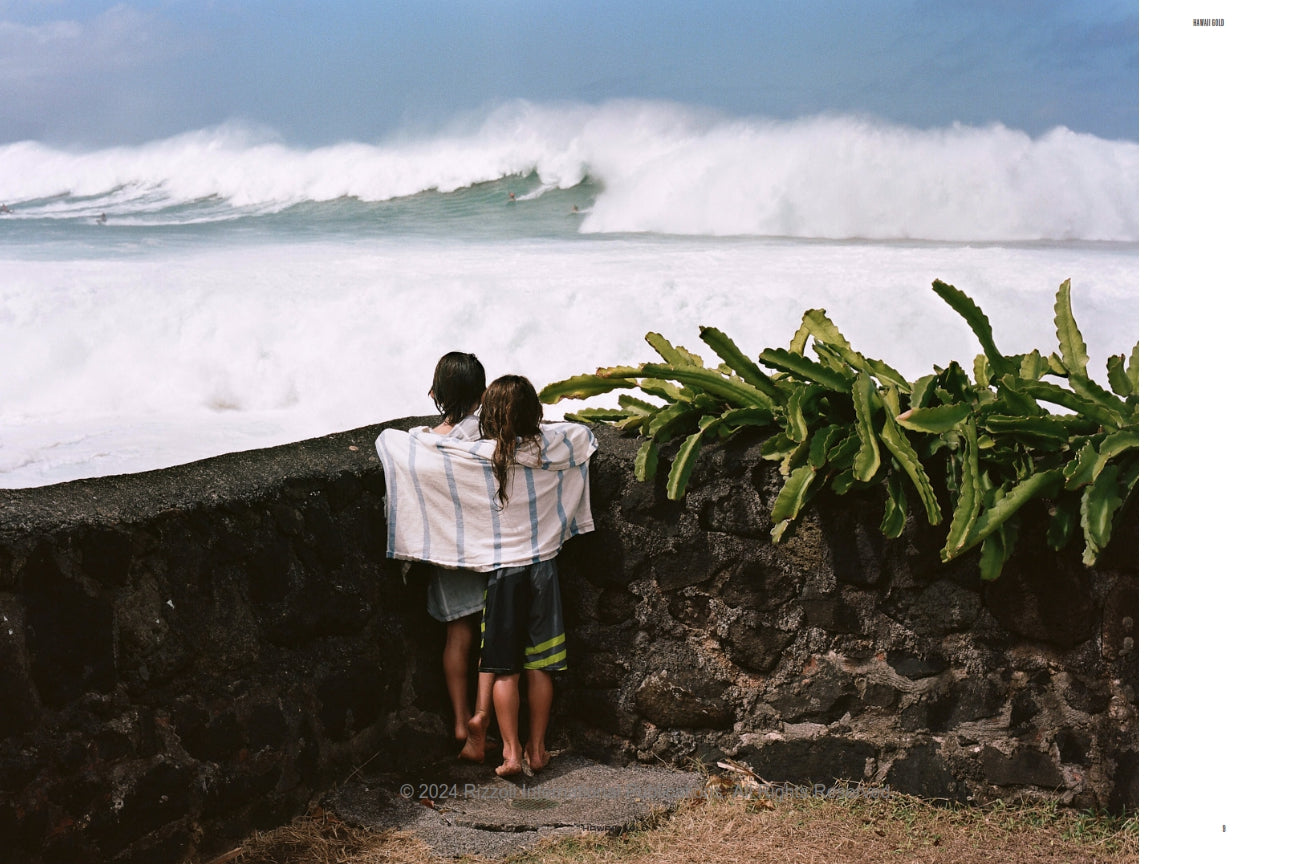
(522, 624)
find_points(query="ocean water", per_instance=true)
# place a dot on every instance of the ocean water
(221, 290)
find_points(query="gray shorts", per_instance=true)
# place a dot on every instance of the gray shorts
(454, 594)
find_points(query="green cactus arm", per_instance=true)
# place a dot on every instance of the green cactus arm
(968, 505)
(672, 354)
(831, 357)
(843, 483)
(740, 363)
(841, 456)
(1009, 399)
(1075, 355)
(1116, 377)
(792, 497)
(736, 418)
(824, 330)
(682, 465)
(994, 552)
(777, 448)
(1033, 366)
(798, 426)
(672, 417)
(976, 319)
(795, 458)
(825, 440)
(805, 369)
(801, 337)
(887, 375)
(1098, 506)
(732, 391)
(1133, 370)
(1047, 391)
(895, 509)
(1042, 432)
(937, 420)
(1085, 467)
(603, 415)
(869, 456)
(890, 398)
(580, 387)
(904, 454)
(1130, 478)
(665, 390)
(952, 384)
(624, 372)
(796, 491)
(995, 516)
(1091, 390)
(645, 464)
(637, 406)
(922, 391)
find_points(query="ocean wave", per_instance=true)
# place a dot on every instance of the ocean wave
(659, 168)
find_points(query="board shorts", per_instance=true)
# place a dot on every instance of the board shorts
(454, 594)
(522, 625)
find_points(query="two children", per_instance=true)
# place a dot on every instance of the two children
(494, 495)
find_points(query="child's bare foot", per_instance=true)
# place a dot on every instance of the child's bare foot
(474, 749)
(510, 768)
(538, 759)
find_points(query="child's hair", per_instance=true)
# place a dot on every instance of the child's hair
(457, 385)
(510, 414)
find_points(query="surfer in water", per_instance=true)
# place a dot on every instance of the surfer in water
(101, 219)
(4, 208)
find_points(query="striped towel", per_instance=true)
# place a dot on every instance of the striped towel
(442, 507)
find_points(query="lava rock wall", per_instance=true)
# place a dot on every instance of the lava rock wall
(190, 654)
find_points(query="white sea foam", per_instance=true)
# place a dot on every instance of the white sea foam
(113, 363)
(662, 168)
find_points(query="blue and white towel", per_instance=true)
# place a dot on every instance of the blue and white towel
(442, 506)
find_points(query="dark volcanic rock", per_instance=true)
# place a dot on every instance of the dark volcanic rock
(190, 654)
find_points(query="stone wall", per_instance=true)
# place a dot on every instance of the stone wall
(189, 654)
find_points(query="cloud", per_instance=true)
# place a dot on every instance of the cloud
(53, 69)
(119, 38)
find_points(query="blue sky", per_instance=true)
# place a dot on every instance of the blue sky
(318, 71)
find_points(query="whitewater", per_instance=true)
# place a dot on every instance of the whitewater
(222, 290)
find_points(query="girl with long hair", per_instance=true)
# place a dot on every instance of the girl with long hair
(522, 626)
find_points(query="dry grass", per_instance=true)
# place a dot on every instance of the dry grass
(322, 838)
(897, 829)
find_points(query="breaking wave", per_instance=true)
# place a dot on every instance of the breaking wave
(656, 167)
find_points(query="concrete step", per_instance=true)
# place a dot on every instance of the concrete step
(460, 808)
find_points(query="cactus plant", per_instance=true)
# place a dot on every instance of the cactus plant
(842, 421)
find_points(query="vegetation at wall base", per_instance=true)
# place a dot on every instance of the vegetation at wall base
(839, 421)
(898, 828)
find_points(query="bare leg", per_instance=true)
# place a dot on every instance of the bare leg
(474, 749)
(507, 702)
(539, 701)
(459, 638)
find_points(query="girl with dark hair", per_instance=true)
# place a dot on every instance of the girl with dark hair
(522, 624)
(454, 595)
(457, 387)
